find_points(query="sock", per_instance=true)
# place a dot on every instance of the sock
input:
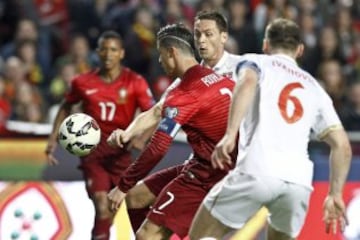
(101, 229)
(137, 217)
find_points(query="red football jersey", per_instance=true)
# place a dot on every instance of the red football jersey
(199, 105)
(112, 105)
(5, 111)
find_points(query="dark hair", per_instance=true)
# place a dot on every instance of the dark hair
(21, 43)
(283, 33)
(110, 35)
(176, 35)
(77, 35)
(216, 16)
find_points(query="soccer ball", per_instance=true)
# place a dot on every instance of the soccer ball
(79, 134)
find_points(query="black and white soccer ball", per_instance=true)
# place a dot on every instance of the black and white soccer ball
(79, 134)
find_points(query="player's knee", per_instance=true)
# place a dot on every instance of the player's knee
(150, 230)
(193, 236)
(139, 197)
(132, 200)
(144, 233)
(102, 206)
(141, 234)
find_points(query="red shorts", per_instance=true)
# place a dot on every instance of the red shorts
(104, 174)
(158, 180)
(177, 204)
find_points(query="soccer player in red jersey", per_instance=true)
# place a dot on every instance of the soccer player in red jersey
(199, 105)
(111, 95)
(210, 36)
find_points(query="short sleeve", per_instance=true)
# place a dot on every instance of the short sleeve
(74, 93)
(251, 61)
(247, 64)
(144, 96)
(326, 119)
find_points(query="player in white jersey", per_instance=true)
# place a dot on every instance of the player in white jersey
(278, 104)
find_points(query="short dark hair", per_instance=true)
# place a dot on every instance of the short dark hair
(216, 16)
(283, 33)
(24, 42)
(110, 35)
(176, 35)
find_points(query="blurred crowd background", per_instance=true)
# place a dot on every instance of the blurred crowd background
(45, 43)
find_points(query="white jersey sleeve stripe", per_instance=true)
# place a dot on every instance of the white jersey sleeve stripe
(248, 64)
(175, 130)
(323, 134)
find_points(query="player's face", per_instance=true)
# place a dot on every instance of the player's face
(110, 52)
(166, 60)
(209, 41)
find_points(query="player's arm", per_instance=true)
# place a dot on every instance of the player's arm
(72, 97)
(174, 115)
(243, 95)
(148, 159)
(64, 111)
(144, 124)
(145, 101)
(340, 160)
(139, 142)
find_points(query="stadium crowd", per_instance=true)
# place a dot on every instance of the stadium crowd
(45, 43)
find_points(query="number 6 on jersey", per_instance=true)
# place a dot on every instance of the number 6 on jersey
(283, 102)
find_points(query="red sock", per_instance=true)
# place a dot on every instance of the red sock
(101, 229)
(137, 217)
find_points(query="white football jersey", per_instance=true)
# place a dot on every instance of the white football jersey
(226, 65)
(289, 103)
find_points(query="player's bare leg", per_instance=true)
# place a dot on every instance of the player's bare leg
(214, 228)
(272, 234)
(139, 197)
(150, 230)
(138, 201)
(103, 216)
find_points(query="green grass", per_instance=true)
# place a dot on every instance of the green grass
(20, 171)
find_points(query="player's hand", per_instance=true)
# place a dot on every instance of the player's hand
(116, 197)
(334, 214)
(49, 151)
(118, 138)
(221, 154)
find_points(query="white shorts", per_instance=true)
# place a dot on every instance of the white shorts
(235, 199)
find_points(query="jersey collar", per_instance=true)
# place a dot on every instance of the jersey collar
(220, 63)
(288, 58)
(191, 71)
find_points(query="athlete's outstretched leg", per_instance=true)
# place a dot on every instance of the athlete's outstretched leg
(138, 201)
(214, 228)
(103, 216)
